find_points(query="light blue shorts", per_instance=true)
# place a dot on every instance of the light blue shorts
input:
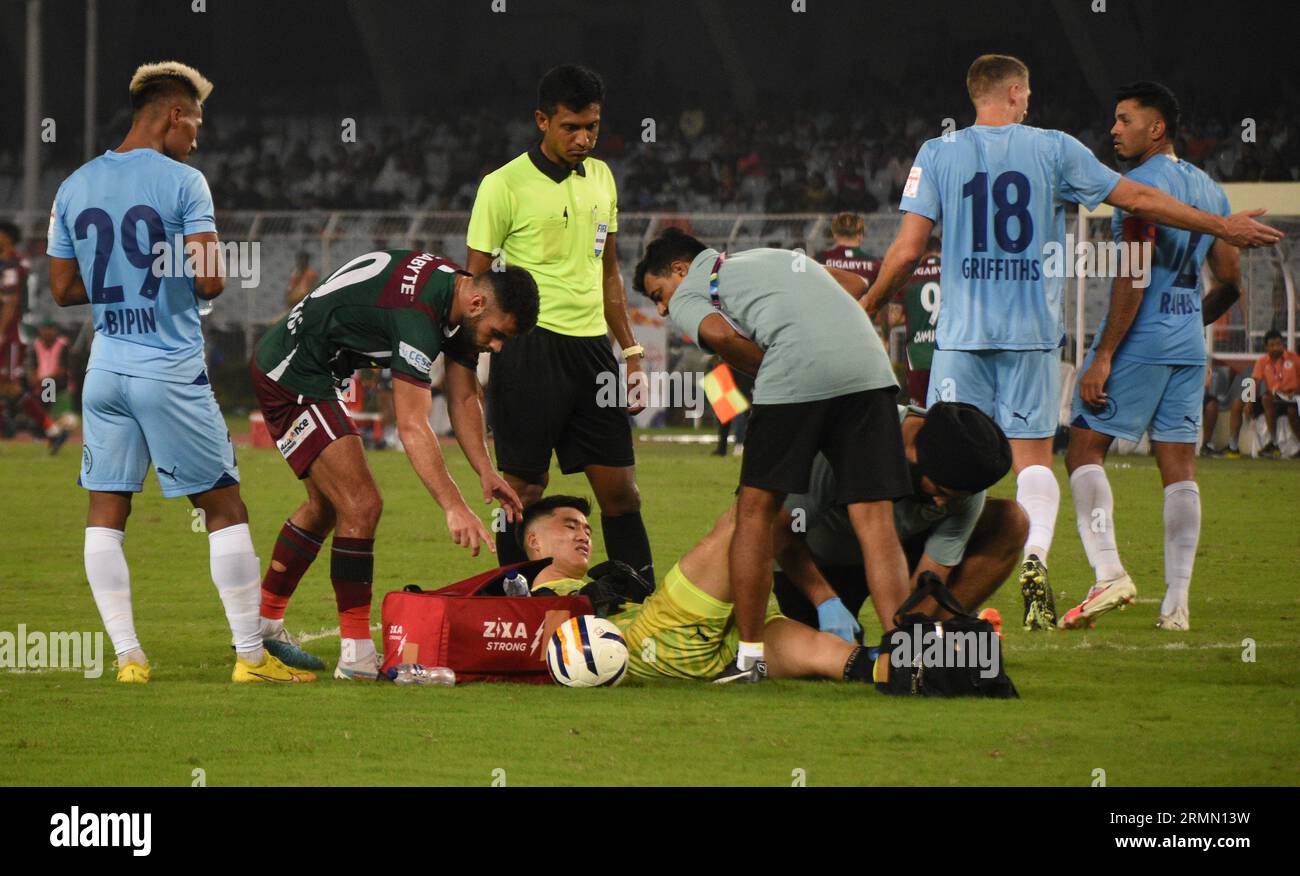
(1166, 399)
(1019, 389)
(129, 422)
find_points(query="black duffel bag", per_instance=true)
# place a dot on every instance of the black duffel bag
(960, 656)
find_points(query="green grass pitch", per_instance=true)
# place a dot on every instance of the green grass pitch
(1148, 708)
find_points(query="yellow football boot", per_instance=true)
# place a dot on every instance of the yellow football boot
(270, 669)
(133, 673)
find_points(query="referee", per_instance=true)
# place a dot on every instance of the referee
(554, 211)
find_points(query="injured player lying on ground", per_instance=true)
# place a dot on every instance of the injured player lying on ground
(685, 628)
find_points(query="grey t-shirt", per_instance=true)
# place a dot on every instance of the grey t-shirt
(817, 341)
(830, 537)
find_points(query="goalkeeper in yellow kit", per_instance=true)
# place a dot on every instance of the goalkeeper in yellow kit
(686, 628)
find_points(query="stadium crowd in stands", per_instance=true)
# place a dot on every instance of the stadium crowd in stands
(812, 160)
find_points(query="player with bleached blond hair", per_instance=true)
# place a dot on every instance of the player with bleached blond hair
(119, 235)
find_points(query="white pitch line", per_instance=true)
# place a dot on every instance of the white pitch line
(331, 632)
(1085, 645)
(679, 439)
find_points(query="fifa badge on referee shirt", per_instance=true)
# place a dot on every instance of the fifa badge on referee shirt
(602, 231)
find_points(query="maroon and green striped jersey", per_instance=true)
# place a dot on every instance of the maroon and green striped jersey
(387, 309)
(920, 299)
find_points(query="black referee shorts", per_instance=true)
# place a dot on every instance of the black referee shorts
(859, 433)
(542, 397)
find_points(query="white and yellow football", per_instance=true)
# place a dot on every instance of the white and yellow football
(587, 651)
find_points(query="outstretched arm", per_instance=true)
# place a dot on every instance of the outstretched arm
(412, 403)
(465, 410)
(1146, 202)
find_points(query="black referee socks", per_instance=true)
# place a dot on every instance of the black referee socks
(626, 540)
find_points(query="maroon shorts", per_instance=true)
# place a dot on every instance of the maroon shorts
(918, 384)
(302, 427)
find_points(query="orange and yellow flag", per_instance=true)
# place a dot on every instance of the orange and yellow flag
(720, 388)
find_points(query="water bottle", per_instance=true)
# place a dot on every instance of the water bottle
(414, 673)
(516, 585)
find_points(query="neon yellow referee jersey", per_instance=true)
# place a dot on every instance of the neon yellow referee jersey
(553, 221)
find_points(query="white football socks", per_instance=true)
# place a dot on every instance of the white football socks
(749, 654)
(356, 650)
(238, 576)
(1182, 532)
(1039, 494)
(110, 583)
(1094, 515)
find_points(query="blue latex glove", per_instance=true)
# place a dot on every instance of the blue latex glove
(834, 618)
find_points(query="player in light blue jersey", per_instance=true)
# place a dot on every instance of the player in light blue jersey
(1000, 189)
(1146, 368)
(118, 238)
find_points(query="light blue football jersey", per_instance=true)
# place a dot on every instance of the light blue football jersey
(1000, 193)
(109, 215)
(1167, 328)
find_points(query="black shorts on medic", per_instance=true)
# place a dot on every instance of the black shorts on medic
(859, 433)
(544, 394)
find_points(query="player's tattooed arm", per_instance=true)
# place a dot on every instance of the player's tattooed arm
(465, 410)
(737, 351)
(1225, 264)
(1153, 205)
(900, 261)
(412, 403)
(65, 283)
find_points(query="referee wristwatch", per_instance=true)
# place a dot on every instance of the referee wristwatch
(634, 350)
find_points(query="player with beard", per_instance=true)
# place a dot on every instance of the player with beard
(999, 188)
(396, 309)
(1146, 368)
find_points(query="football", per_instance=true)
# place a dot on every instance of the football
(587, 651)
